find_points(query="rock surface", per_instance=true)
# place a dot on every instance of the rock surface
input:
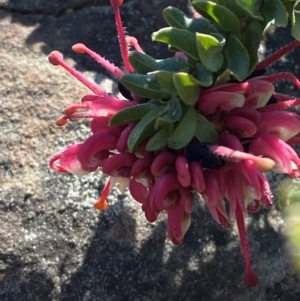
(54, 245)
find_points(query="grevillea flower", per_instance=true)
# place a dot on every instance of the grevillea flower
(189, 124)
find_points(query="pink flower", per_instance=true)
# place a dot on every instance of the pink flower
(253, 137)
(285, 157)
(68, 161)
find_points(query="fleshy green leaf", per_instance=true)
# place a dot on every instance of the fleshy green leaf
(176, 18)
(234, 8)
(160, 139)
(144, 129)
(274, 12)
(218, 13)
(143, 63)
(252, 7)
(251, 38)
(173, 114)
(203, 75)
(202, 25)
(181, 39)
(187, 87)
(289, 6)
(172, 64)
(296, 20)
(209, 50)
(185, 130)
(237, 58)
(131, 114)
(205, 131)
(296, 26)
(143, 85)
(165, 80)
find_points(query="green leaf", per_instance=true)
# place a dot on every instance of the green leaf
(274, 12)
(173, 114)
(160, 139)
(187, 88)
(251, 38)
(185, 130)
(234, 8)
(176, 18)
(203, 75)
(296, 20)
(172, 64)
(173, 49)
(296, 26)
(209, 50)
(252, 7)
(165, 80)
(143, 63)
(181, 39)
(205, 131)
(218, 13)
(289, 6)
(237, 57)
(202, 25)
(131, 114)
(144, 129)
(224, 77)
(143, 85)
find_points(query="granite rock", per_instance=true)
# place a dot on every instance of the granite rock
(54, 245)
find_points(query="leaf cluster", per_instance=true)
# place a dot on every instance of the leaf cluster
(218, 46)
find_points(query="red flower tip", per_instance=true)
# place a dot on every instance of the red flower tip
(132, 41)
(55, 58)
(250, 278)
(117, 3)
(62, 120)
(72, 108)
(79, 48)
(101, 203)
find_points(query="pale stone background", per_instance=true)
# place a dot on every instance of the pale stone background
(53, 244)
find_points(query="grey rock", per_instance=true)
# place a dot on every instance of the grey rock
(54, 245)
(48, 7)
(277, 39)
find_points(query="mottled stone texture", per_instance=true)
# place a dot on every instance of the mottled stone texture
(54, 245)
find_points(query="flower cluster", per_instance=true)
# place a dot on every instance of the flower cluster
(189, 124)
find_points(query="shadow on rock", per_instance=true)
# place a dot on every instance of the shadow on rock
(207, 266)
(19, 282)
(95, 26)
